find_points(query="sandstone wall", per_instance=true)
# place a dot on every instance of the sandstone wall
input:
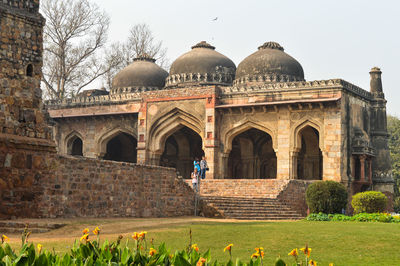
(46, 185)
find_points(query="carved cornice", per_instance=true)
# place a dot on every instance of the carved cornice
(268, 78)
(299, 85)
(93, 100)
(200, 78)
(132, 90)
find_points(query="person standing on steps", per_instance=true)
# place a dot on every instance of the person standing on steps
(203, 167)
(194, 177)
(196, 165)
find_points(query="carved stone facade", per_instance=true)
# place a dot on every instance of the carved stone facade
(268, 123)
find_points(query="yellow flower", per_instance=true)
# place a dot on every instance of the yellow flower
(142, 235)
(228, 247)
(85, 237)
(135, 235)
(201, 262)
(255, 255)
(152, 251)
(96, 231)
(306, 251)
(195, 247)
(259, 249)
(294, 253)
(4, 238)
(171, 256)
(313, 263)
(39, 248)
(330, 264)
(85, 231)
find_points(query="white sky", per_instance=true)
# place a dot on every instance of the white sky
(330, 39)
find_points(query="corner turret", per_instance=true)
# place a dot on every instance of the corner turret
(382, 168)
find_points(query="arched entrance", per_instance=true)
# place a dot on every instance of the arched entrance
(122, 148)
(180, 150)
(252, 156)
(309, 157)
(75, 146)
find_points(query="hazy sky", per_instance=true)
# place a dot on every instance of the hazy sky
(330, 39)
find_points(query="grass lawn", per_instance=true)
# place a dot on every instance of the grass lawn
(343, 243)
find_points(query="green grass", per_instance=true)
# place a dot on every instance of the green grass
(343, 243)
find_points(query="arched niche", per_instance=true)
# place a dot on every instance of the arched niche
(121, 147)
(252, 156)
(308, 158)
(180, 150)
(75, 146)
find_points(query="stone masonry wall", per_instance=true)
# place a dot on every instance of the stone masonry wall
(83, 187)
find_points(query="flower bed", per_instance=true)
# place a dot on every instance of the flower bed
(88, 251)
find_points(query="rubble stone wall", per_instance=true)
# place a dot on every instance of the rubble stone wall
(59, 186)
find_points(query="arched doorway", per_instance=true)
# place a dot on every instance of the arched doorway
(75, 146)
(180, 150)
(252, 156)
(309, 158)
(122, 148)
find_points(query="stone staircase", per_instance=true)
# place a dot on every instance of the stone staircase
(253, 199)
(14, 227)
(251, 208)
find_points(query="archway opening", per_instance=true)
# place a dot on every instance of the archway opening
(75, 146)
(252, 156)
(29, 70)
(181, 149)
(309, 159)
(122, 148)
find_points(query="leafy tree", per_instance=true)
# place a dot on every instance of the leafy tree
(393, 124)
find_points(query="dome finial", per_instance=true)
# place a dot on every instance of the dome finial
(271, 45)
(203, 44)
(144, 57)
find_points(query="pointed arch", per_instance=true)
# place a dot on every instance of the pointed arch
(307, 152)
(170, 122)
(68, 141)
(297, 127)
(106, 137)
(232, 133)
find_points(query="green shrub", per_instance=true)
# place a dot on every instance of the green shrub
(369, 202)
(361, 217)
(326, 197)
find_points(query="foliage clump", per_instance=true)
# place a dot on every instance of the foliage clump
(326, 197)
(369, 202)
(361, 217)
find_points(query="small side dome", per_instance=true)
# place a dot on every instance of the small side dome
(143, 74)
(201, 65)
(269, 64)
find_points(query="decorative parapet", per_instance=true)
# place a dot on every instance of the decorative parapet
(331, 83)
(269, 78)
(131, 90)
(93, 100)
(222, 78)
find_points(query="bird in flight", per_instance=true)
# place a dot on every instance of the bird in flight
(215, 18)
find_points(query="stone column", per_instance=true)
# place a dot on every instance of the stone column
(362, 166)
(210, 139)
(370, 170)
(284, 165)
(141, 140)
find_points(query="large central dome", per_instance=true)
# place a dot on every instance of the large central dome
(201, 65)
(269, 64)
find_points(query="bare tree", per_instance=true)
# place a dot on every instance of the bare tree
(140, 41)
(74, 34)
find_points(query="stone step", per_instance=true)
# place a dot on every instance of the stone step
(264, 218)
